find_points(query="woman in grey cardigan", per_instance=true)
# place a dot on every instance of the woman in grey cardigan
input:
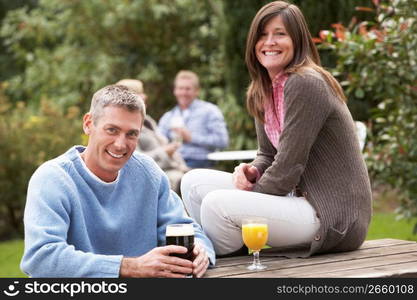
(309, 178)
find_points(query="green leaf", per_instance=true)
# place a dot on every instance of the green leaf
(359, 93)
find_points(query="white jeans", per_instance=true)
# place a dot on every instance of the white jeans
(212, 200)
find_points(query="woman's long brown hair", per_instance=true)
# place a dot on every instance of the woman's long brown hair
(305, 55)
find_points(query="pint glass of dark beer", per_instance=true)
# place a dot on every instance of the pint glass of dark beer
(181, 235)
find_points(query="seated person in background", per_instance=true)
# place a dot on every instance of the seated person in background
(102, 210)
(155, 144)
(198, 124)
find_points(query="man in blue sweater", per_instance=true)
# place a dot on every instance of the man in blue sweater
(102, 210)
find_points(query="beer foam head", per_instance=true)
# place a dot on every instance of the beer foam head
(180, 230)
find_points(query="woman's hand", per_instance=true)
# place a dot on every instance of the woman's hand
(201, 261)
(244, 176)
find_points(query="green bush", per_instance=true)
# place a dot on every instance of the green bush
(69, 49)
(377, 64)
(29, 137)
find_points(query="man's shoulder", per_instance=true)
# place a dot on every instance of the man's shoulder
(168, 113)
(143, 163)
(204, 103)
(305, 80)
(141, 159)
(165, 119)
(54, 170)
(206, 106)
(59, 163)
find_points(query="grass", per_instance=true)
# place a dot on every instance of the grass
(10, 254)
(385, 225)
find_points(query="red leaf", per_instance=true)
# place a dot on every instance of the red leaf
(404, 26)
(340, 35)
(401, 150)
(317, 40)
(362, 28)
(338, 26)
(324, 33)
(379, 35)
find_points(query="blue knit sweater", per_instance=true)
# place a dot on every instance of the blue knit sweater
(77, 225)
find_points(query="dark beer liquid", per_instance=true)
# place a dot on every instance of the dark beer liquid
(186, 241)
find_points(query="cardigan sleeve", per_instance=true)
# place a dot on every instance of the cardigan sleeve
(307, 104)
(266, 151)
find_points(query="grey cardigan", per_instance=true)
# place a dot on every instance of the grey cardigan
(318, 156)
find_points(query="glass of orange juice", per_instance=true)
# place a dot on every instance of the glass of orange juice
(255, 235)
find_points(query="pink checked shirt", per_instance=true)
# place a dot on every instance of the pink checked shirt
(274, 110)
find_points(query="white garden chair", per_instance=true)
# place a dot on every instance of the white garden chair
(361, 132)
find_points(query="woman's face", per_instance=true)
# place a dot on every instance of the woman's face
(274, 49)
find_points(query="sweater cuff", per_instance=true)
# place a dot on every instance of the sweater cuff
(110, 266)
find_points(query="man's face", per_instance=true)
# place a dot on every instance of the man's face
(185, 91)
(112, 140)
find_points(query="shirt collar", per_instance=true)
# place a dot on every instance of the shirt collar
(279, 78)
(81, 149)
(189, 108)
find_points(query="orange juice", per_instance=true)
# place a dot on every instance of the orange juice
(255, 235)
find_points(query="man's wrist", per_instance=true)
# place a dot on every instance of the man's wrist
(126, 267)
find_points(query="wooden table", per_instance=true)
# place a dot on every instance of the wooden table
(375, 259)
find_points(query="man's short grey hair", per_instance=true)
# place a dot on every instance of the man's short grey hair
(119, 96)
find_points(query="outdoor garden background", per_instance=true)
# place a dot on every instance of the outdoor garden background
(55, 53)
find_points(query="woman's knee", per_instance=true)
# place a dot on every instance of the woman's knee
(224, 234)
(211, 206)
(193, 177)
(188, 179)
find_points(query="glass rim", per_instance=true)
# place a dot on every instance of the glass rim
(249, 220)
(179, 229)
